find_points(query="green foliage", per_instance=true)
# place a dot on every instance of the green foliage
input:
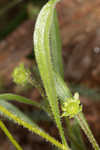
(21, 99)
(8, 134)
(42, 53)
(12, 113)
(76, 136)
(47, 48)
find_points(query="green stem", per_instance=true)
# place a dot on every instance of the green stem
(8, 134)
(32, 128)
(63, 92)
(84, 125)
(37, 85)
(73, 131)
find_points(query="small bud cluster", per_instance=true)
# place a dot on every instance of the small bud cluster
(21, 75)
(72, 106)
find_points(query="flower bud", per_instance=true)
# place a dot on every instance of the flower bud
(21, 75)
(72, 106)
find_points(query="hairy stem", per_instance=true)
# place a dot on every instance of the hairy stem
(84, 125)
(8, 134)
(33, 128)
(63, 92)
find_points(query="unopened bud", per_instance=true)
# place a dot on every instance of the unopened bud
(72, 106)
(21, 75)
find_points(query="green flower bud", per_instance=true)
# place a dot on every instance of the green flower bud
(21, 75)
(72, 106)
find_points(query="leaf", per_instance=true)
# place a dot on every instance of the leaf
(44, 60)
(12, 113)
(21, 99)
(55, 45)
(76, 137)
(63, 92)
(8, 134)
(47, 63)
(43, 105)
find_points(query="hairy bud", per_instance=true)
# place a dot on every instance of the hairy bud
(21, 75)
(72, 106)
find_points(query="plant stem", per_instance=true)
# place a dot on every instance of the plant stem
(13, 141)
(84, 125)
(31, 127)
(64, 92)
(36, 84)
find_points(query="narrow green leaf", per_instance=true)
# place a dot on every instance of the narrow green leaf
(76, 137)
(21, 99)
(55, 45)
(8, 134)
(63, 92)
(47, 63)
(44, 60)
(12, 113)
